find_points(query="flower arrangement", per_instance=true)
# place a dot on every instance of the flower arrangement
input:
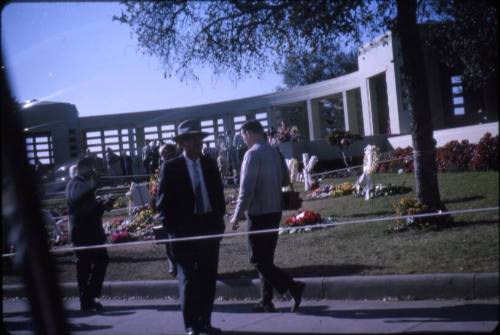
(341, 139)
(153, 184)
(286, 134)
(331, 191)
(411, 206)
(137, 226)
(381, 190)
(121, 237)
(121, 202)
(370, 163)
(302, 218)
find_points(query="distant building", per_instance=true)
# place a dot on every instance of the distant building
(370, 102)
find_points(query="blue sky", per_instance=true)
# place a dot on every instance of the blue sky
(76, 53)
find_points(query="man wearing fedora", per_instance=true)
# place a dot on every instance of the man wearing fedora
(191, 203)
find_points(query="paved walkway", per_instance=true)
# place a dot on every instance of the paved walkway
(161, 316)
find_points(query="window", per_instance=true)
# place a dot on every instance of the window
(168, 135)
(151, 136)
(150, 133)
(208, 127)
(110, 132)
(111, 140)
(457, 91)
(40, 146)
(262, 118)
(93, 141)
(170, 127)
(238, 121)
(93, 134)
(459, 111)
(150, 129)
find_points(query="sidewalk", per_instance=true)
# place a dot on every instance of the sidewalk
(163, 316)
(408, 287)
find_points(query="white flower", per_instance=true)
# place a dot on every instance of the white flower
(400, 171)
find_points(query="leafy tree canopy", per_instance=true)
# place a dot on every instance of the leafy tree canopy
(242, 37)
(324, 63)
(239, 37)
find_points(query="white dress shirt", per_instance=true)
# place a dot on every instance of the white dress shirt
(204, 193)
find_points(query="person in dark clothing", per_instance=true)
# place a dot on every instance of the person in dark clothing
(167, 152)
(146, 153)
(85, 217)
(191, 203)
(154, 157)
(125, 163)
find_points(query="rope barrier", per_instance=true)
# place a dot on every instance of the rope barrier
(357, 166)
(229, 235)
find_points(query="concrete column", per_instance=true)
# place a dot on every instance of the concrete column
(366, 106)
(313, 119)
(392, 100)
(345, 107)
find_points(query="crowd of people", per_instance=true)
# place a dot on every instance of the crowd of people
(190, 202)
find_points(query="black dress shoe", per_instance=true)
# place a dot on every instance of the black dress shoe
(91, 306)
(191, 331)
(209, 330)
(296, 293)
(264, 307)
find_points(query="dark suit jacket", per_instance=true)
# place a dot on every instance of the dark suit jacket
(175, 200)
(85, 213)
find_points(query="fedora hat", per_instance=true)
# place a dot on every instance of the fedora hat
(189, 128)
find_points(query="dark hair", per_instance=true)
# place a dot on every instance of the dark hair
(85, 164)
(253, 126)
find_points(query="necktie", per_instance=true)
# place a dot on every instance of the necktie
(199, 206)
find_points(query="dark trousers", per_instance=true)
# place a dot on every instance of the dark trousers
(91, 268)
(262, 247)
(172, 267)
(197, 263)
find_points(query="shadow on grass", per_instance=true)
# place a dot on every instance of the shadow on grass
(464, 199)
(308, 271)
(377, 213)
(455, 224)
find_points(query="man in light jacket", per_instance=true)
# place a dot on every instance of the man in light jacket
(263, 174)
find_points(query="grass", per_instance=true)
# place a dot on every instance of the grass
(470, 245)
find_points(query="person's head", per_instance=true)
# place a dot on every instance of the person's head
(251, 131)
(86, 168)
(168, 151)
(190, 138)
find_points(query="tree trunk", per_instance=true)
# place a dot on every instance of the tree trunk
(424, 147)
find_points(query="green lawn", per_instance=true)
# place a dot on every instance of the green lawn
(470, 245)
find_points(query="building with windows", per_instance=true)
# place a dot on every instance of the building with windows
(370, 102)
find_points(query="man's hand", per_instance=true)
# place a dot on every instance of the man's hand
(234, 223)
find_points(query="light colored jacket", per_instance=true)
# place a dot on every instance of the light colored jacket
(263, 174)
